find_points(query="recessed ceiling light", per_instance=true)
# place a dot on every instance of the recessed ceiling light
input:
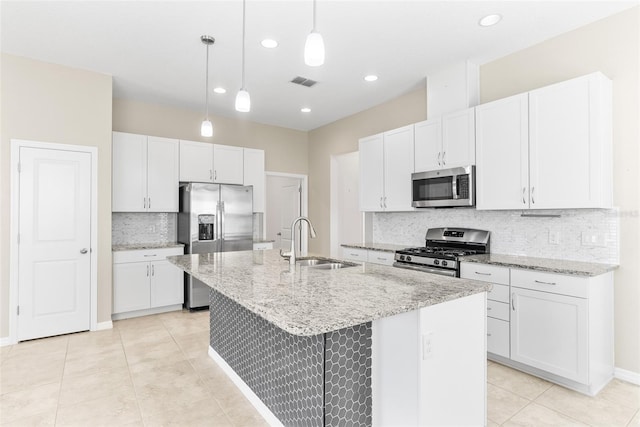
(371, 78)
(269, 43)
(305, 110)
(490, 20)
(220, 90)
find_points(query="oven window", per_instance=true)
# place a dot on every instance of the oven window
(433, 189)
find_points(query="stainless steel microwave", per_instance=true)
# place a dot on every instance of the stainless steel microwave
(444, 188)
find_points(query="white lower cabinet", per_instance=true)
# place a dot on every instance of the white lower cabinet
(368, 255)
(144, 282)
(558, 327)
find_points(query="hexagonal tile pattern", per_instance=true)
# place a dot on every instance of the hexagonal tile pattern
(305, 381)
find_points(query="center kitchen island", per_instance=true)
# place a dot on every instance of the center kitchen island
(359, 345)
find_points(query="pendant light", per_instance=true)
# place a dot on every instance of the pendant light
(314, 47)
(243, 100)
(206, 129)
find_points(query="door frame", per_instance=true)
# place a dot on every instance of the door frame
(304, 202)
(16, 145)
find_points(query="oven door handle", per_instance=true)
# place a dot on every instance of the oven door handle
(441, 272)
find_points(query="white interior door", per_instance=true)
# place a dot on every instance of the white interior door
(283, 206)
(54, 261)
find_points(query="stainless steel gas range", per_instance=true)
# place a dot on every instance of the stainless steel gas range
(442, 250)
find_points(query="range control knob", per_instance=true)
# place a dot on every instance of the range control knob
(436, 262)
(408, 258)
(401, 257)
(444, 263)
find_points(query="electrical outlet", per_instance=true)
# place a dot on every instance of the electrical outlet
(427, 345)
(554, 237)
(153, 228)
(590, 238)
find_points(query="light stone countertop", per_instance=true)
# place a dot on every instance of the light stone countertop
(142, 246)
(577, 268)
(383, 247)
(307, 301)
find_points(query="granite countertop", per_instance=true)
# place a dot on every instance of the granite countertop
(577, 268)
(141, 246)
(307, 301)
(383, 247)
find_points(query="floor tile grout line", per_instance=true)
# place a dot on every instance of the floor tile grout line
(637, 413)
(64, 366)
(133, 385)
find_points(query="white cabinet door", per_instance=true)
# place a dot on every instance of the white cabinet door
(167, 284)
(129, 173)
(371, 173)
(131, 286)
(196, 161)
(502, 154)
(565, 140)
(398, 167)
(549, 332)
(254, 175)
(162, 174)
(498, 336)
(228, 164)
(428, 145)
(458, 139)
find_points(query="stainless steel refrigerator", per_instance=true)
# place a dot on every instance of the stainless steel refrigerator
(213, 218)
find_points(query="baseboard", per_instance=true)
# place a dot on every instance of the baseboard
(101, 326)
(266, 413)
(4, 341)
(628, 376)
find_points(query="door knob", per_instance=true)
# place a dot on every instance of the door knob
(83, 251)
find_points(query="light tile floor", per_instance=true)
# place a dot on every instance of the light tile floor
(155, 371)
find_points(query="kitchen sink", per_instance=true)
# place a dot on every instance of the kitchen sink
(324, 263)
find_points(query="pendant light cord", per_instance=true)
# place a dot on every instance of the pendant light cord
(314, 15)
(206, 86)
(243, 35)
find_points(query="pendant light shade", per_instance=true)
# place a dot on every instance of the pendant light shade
(314, 46)
(206, 128)
(243, 100)
(314, 49)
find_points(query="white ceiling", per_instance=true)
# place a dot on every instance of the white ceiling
(153, 48)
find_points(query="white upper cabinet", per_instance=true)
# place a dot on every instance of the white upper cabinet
(554, 142)
(254, 175)
(386, 165)
(228, 164)
(196, 161)
(204, 162)
(445, 142)
(502, 171)
(144, 173)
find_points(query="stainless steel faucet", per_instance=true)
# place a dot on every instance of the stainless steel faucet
(292, 253)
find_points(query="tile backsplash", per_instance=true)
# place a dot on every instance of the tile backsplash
(139, 227)
(513, 234)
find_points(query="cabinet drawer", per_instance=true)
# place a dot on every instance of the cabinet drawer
(355, 254)
(499, 293)
(484, 273)
(498, 310)
(498, 337)
(141, 255)
(549, 282)
(380, 257)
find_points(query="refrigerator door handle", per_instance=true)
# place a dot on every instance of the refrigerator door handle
(222, 220)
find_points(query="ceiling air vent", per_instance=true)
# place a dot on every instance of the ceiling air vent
(303, 81)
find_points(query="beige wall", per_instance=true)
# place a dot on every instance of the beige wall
(285, 149)
(51, 103)
(342, 137)
(611, 46)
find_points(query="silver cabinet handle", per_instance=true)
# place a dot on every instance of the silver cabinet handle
(381, 202)
(83, 251)
(150, 255)
(524, 189)
(439, 158)
(211, 174)
(483, 274)
(215, 175)
(488, 308)
(147, 271)
(443, 154)
(488, 335)
(533, 189)
(513, 296)
(144, 202)
(149, 202)
(153, 270)
(385, 201)
(545, 283)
